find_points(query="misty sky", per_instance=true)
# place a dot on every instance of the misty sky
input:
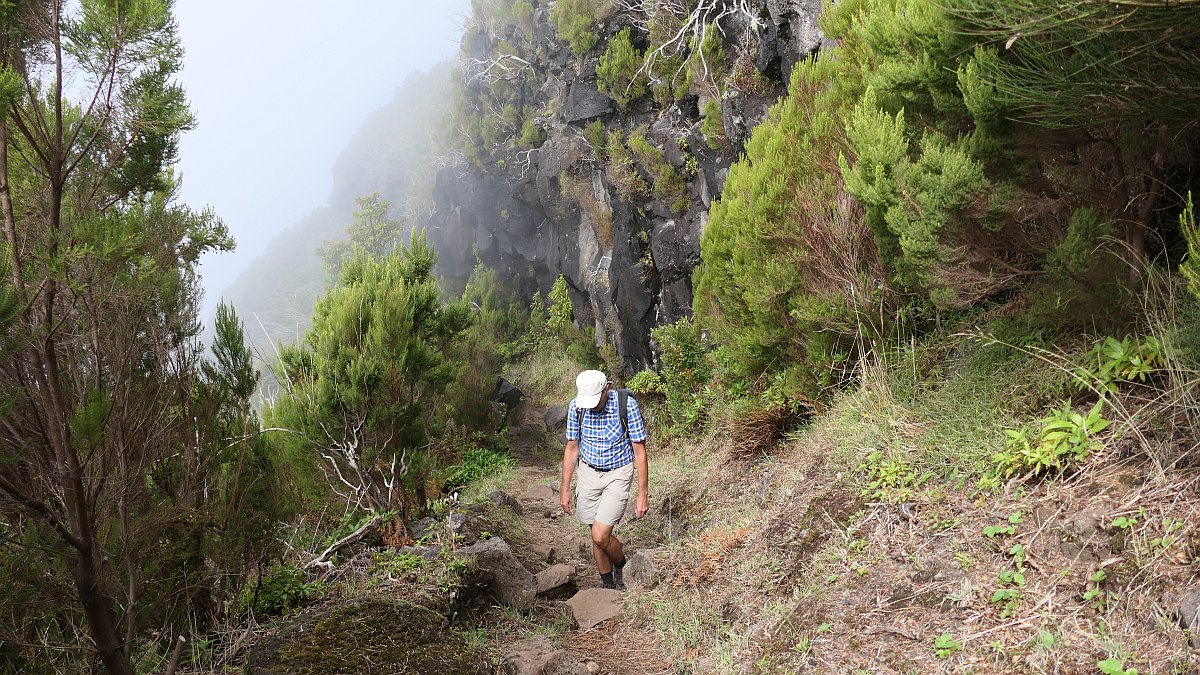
(278, 87)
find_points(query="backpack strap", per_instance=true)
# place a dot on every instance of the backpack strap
(623, 412)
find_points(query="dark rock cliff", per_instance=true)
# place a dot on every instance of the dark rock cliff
(534, 210)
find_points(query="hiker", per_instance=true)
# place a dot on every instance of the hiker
(606, 441)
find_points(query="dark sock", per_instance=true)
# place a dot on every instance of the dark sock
(606, 578)
(621, 564)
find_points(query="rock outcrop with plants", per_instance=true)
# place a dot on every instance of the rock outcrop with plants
(593, 137)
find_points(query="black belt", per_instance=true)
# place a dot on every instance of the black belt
(599, 470)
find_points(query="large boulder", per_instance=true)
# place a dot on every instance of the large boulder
(584, 100)
(502, 498)
(511, 583)
(373, 636)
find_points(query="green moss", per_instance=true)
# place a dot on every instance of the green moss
(377, 635)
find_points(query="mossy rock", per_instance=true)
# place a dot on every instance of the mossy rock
(375, 635)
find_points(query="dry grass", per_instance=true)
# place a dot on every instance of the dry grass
(757, 431)
(621, 647)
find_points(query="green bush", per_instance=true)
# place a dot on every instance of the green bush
(281, 591)
(789, 275)
(1112, 361)
(913, 206)
(686, 368)
(1191, 233)
(595, 133)
(713, 126)
(647, 383)
(1063, 437)
(619, 74)
(574, 20)
(1075, 257)
(532, 134)
(622, 169)
(476, 464)
(669, 186)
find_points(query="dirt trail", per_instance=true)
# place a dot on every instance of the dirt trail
(549, 536)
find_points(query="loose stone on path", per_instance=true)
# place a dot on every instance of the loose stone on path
(593, 606)
(556, 582)
(536, 656)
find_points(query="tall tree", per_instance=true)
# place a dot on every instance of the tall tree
(361, 389)
(372, 231)
(103, 265)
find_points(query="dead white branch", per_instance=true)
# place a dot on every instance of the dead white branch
(354, 537)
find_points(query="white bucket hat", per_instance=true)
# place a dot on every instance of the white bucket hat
(590, 384)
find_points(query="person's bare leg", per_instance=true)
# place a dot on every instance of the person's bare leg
(606, 548)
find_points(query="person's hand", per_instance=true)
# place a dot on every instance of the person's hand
(643, 506)
(564, 498)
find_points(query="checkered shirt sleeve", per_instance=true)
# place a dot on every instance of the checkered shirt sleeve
(637, 428)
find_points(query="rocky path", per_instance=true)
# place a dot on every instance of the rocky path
(556, 548)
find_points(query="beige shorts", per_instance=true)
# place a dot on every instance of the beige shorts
(601, 496)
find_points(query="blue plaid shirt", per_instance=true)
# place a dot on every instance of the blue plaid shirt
(604, 445)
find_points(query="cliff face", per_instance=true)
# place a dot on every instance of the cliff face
(548, 201)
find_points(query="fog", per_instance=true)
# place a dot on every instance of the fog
(278, 88)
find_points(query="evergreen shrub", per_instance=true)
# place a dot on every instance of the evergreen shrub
(574, 20)
(622, 169)
(686, 369)
(790, 277)
(669, 186)
(619, 74)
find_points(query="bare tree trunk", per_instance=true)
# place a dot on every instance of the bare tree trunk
(100, 609)
(1139, 230)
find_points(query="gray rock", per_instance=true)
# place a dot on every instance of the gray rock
(1188, 613)
(556, 582)
(555, 417)
(424, 528)
(541, 493)
(593, 606)
(456, 522)
(511, 583)
(502, 498)
(536, 656)
(424, 552)
(543, 552)
(584, 101)
(640, 571)
(593, 668)
(1087, 523)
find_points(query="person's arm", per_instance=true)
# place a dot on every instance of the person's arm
(570, 458)
(641, 462)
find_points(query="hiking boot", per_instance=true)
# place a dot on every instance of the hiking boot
(618, 579)
(604, 583)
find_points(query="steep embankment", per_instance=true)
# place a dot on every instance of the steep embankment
(834, 553)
